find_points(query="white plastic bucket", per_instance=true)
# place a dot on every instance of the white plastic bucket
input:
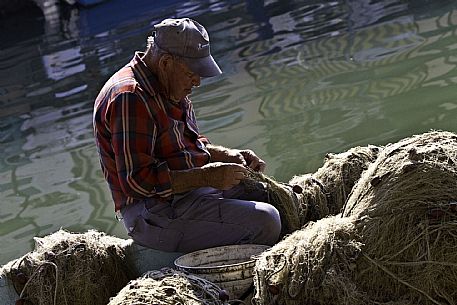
(229, 267)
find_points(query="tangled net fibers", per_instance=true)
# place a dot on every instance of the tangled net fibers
(320, 194)
(168, 286)
(69, 268)
(406, 210)
(309, 266)
(335, 179)
(394, 243)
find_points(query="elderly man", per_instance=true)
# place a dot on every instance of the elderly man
(173, 189)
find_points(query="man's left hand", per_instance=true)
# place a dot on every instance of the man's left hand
(245, 157)
(253, 161)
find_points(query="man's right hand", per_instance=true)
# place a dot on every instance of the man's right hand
(219, 175)
(223, 176)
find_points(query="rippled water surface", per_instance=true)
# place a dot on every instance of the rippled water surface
(302, 78)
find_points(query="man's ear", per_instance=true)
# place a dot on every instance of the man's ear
(165, 61)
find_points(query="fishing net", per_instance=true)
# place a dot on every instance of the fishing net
(309, 266)
(340, 173)
(395, 242)
(169, 286)
(69, 268)
(406, 210)
(282, 196)
(311, 197)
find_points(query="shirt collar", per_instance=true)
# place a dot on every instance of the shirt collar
(144, 75)
(148, 80)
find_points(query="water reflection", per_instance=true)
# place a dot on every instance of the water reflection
(387, 68)
(302, 78)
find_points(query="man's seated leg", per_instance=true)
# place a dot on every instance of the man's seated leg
(209, 220)
(202, 219)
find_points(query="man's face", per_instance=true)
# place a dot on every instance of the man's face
(181, 79)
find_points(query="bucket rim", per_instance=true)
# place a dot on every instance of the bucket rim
(211, 269)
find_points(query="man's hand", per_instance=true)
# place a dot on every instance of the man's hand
(223, 176)
(253, 161)
(226, 155)
(219, 175)
(244, 157)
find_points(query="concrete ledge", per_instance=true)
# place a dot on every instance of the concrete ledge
(8, 294)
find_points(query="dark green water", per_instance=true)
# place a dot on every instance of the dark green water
(302, 78)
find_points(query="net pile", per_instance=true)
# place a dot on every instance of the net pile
(320, 194)
(310, 265)
(340, 173)
(406, 210)
(168, 287)
(69, 268)
(395, 242)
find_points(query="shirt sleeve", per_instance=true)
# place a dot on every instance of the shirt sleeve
(204, 139)
(134, 134)
(191, 113)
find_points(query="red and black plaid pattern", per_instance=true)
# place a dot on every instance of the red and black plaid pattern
(140, 136)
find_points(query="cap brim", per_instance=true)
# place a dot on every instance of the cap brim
(204, 67)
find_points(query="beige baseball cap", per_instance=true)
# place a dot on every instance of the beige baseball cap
(189, 40)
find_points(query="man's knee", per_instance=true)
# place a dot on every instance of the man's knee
(268, 225)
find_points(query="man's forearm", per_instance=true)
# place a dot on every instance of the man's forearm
(187, 180)
(224, 154)
(219, 175)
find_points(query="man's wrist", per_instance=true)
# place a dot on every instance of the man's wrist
(218, 153)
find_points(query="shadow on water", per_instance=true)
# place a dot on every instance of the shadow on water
(302, 78)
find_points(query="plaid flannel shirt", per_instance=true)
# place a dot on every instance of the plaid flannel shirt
(141, 136)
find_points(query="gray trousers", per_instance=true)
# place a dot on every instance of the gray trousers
(203, 218)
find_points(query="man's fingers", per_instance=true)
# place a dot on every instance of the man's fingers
(239, 175)
(261, 166)
(241, 159)
(238, 167)
(254, 163)
(258, 165)
(230, 185)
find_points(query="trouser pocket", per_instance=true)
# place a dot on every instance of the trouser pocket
(151, 229)
(152, 236)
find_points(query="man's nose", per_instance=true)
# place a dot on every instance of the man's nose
(196, 80)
